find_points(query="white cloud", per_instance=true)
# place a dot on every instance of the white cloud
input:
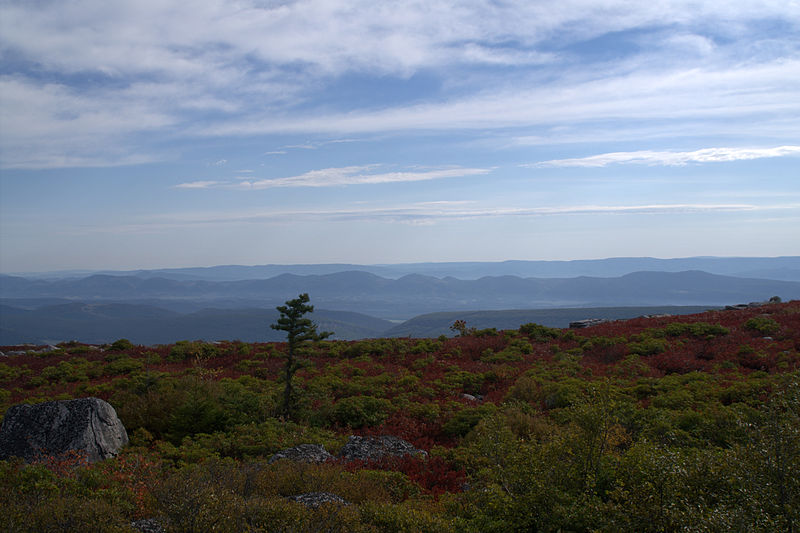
(649, 157)
(197, 185)
(212, 67)
(430, 212)
(357, 175)
(740, 96)
(340, 177)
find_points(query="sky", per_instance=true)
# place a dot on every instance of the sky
(161, 133)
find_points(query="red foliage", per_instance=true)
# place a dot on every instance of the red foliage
(64, 464)
(135, 473)
(433, 474)
(420, 433)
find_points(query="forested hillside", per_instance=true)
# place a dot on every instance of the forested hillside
(687, 423)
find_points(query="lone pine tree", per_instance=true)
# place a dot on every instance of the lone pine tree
(299, 331)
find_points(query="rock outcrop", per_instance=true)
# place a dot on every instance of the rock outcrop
(578, 324)
(377, 448)
(315, 499)
(87, 426)
(303, 453)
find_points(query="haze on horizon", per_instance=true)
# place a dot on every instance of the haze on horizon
(156, 134)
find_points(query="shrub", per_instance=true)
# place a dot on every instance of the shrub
(123, 365)
(504, 356)
(183, 350)
(120, 345)
(700, 330)
(647, 346)
(361, 411)
(402, 519)
(763, 325)
(606, 349)
(538, 332)
(463, 421)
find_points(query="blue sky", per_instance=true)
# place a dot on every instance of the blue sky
(157, 133)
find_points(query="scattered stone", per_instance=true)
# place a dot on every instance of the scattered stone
(303, 453)
(89, 426)
(377, 448)
(737, 307)
(148, 525)
(578, 324)
(316, 499)
(472, 397)
(753, 305)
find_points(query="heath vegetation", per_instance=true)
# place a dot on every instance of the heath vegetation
(687, 423)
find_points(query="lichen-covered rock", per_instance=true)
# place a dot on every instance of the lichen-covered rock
(88, 426)
(148, 525)
(315, 499)
(377, 448)
(303, 453)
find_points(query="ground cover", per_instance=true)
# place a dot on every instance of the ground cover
(652, 424)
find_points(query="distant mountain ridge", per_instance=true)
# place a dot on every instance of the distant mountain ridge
(786, 268)
(168, 305)
(408, 296)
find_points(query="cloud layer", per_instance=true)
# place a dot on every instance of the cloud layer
(90, 83)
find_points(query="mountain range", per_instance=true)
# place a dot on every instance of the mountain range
(777, 268)
(196, 303)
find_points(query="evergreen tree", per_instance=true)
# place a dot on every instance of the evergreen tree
(299, 331)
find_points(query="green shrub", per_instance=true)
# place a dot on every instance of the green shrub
(403, 519)
(763, 325)
(120, 345)
(538, 332)
(361, 411)
(123, 365)
(647, 346)
(183, 350)
(700, 330)
(10, 373)
(427, 346)
(504, 356)
(464, 420)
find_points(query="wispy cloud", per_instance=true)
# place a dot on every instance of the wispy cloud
(652, 158)
(197, 185)
(256, 67)
(340, 177)
(431, 212)
(737, 95)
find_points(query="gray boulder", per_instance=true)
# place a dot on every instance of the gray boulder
(315, 499)
(148, 525)
(377, 448)
(87, 425)
(303, 453)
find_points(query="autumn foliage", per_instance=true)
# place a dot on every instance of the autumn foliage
(652, 424)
